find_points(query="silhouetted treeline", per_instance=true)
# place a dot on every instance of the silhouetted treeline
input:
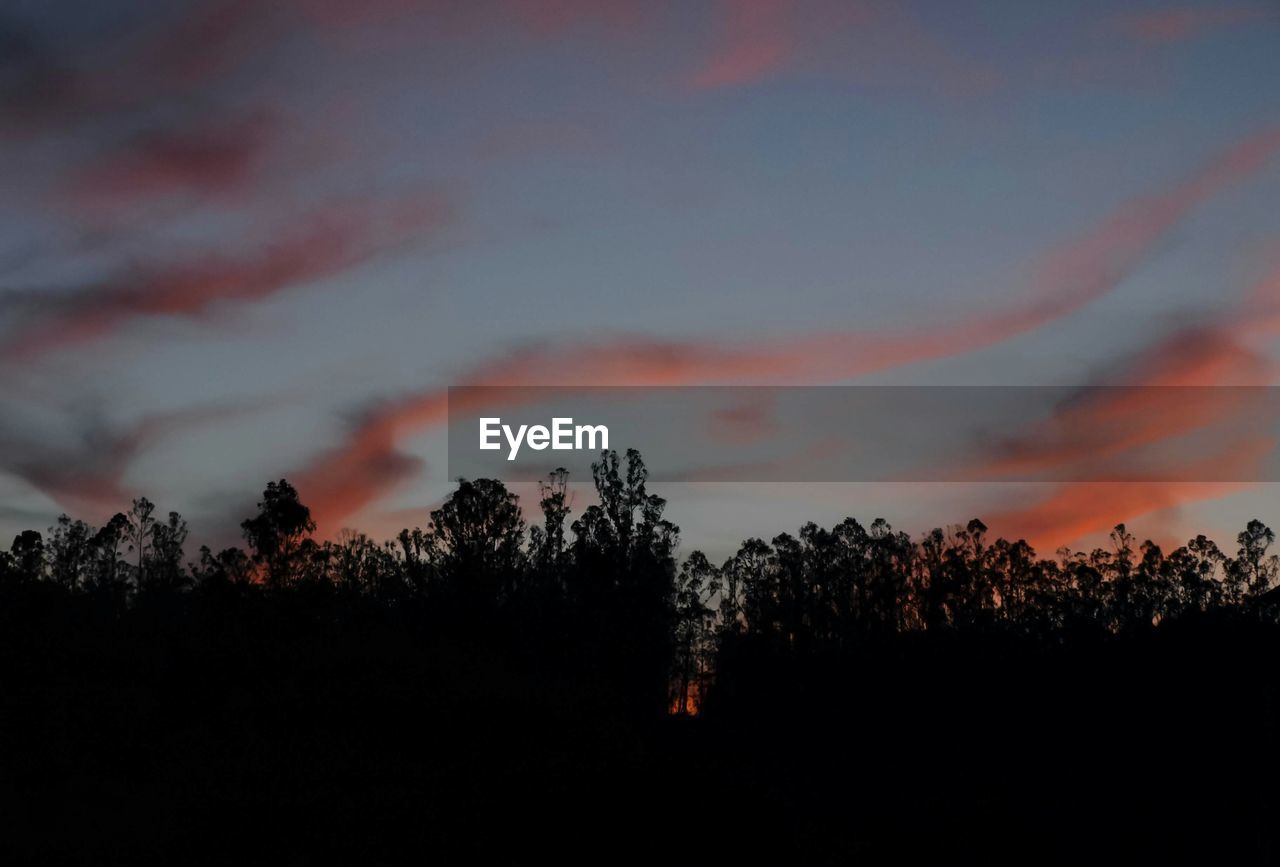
(497, 673)
(821, 591)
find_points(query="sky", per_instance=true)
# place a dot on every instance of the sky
(244, 240)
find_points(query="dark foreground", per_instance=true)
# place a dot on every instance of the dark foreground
(281, 731)
(485, 692)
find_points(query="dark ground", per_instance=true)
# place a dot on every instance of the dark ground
(258, 733)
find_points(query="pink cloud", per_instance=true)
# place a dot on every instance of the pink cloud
(753, 41)
(1183, 23)
(324, 242)
(208, 161)
(1108, 424)
(369, 463)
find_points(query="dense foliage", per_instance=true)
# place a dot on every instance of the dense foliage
(821, 591)
(855, 688)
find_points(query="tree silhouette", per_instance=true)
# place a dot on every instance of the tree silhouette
(853, 687)
(697, 584)
(280, 533)
(70, 552)
(229, 567)
(547, 548)
(478, 531)
(139, 531)
(164, 567)
(26, 557)
(1252, 571)
(623, 575)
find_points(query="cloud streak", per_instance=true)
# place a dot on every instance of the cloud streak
(204, 160)
(82, 465)
(1185, 23)
(368, 463)
(1108, 424)
(46, 82)
(326, 241)
(753, 40)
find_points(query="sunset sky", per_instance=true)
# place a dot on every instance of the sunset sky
(245, 240)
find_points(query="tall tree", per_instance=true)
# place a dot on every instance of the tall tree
(1252, 571)
(480, 530)
(279, 533)
(69, 551)
(27, 556)
(547, 543)
(141, 524)
(108, 543)
(697, 583)
(164, 560)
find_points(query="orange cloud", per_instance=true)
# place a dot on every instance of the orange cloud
(1080, 271)
(1110, 423)
(368, 464)
(1163, 396)
(1083, 508)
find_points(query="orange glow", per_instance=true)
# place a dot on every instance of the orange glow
(692, 702)
(369, 464)
(1215, 354)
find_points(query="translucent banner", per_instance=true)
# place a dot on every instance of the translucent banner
(872, 433)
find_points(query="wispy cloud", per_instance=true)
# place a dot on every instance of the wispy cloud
(81, 465)
(1106, 426)
(34, 78)
(1183, 23)
(50, 81)
(753, 39)
(326, 241)
(202, 160)
(1078, 510)
(369, 463)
